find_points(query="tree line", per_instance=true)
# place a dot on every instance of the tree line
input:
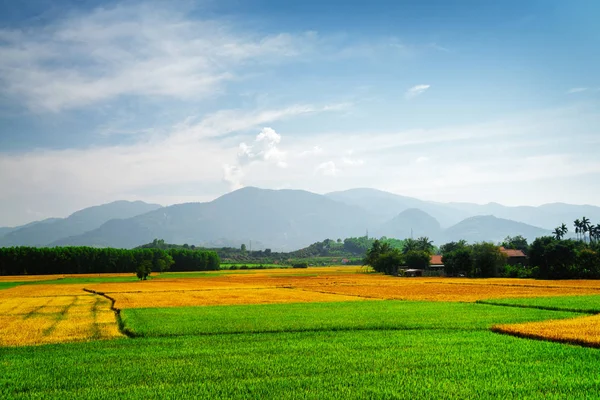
(83, 260)
(414, 253)
(547, 257)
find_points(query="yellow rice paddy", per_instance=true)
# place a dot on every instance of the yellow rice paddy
(52, 313)
(224, 297)
(40, 320)
(582, 330)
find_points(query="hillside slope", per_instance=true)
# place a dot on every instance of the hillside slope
(43, 234)
(282, 219)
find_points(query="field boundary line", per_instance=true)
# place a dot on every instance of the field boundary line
(124, 330)
(315, 330)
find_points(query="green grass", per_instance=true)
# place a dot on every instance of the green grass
(8, 285)
(425, 364)
(352, 350)
(584, 304)
(325, 316)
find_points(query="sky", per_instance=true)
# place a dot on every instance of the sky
(183, 101)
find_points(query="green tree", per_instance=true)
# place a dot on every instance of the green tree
(487, 259)
(243, 247)
(417, 259)
(457, 258)
(383, 258)
(143, 269)
(516, 243)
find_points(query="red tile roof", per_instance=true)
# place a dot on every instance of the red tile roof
(436, 260)
(512, 253)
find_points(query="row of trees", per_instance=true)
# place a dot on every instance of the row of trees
(414, 253)
(82, 260)
(475, 260)
(583, 227)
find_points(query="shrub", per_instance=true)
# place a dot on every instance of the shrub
(300, 265)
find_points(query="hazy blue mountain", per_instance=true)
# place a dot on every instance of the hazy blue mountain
(547, 216)
(291, 219)
(281, 219)
(6, 230)
(384, 206)
(45, 232)
(490, 228)
(409, 222)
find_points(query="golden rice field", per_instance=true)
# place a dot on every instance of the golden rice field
(582, 330)
(55, 319)
(36, 278)
(50, 313)
(327, 284)
(211, 297)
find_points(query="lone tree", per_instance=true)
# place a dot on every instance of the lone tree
(143, 269)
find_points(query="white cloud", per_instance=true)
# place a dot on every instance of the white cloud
(327, 168)
(265, 149)
(352, 161)
(416, 91)
(577, 90)
(422, 160)
(132, 50)
(316, 150)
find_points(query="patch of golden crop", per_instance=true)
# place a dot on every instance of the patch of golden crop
(29, 278)
(224, 297)
(35, 278)
(581, 330)
(171, 285)
(330, 281)
(40, 320)
(42, 290)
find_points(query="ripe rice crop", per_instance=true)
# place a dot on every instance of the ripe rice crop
(172, 285)
(223, 297)
(582, 330)
(443, 292)
(63, 318)
(186, 291)
(42, 290)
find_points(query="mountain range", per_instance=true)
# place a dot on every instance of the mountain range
(290, 219)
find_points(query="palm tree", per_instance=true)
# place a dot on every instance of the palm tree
(564, 229)
(557, 233)
(585, 225)
(595, 233)
(577, 224)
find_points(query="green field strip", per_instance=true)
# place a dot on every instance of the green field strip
(300, 317)
(589, 304)
(312, 365)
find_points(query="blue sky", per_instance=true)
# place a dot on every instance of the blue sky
(182, 101)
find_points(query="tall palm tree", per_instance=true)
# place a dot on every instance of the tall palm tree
(557, 233)
(585, 225)
(596, 232)
(577, 224)
(564, 229)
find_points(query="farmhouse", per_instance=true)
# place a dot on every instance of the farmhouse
(514, 256)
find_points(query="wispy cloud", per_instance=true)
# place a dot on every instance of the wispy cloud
(132, 50)
(327, 168)
(577, 90)
(416, 91)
